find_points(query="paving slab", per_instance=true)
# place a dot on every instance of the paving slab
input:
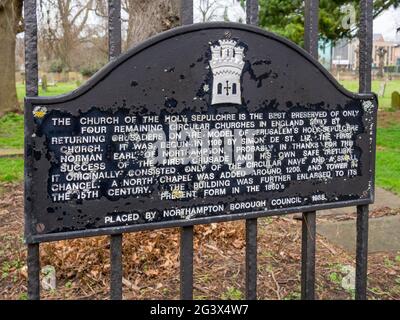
(384, 234)
(383, 199)
(11, 152)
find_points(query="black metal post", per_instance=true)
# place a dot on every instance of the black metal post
(186, 259)
(114, 28)
(31, 55)
(114, 50)
(252, 12)
(251, 259)
(31, 83)
(311, 17)
(33, 262)
(186, 233)
(186, 12)
(116, 267)
(365, 50)
(365, 59)
(251, 224)
(308, 256)
(362, 252)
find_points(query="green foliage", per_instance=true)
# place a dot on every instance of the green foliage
(352, 293)
(335, 277)
(57, 66)
(388, 170)
(5, 269)
(294, 295)
(389, 137)
(23, 296)
(90, 69)
(12, 131)
(388, 157)
(11, 169)
(286, 17)
(388, 263)
(232, 294)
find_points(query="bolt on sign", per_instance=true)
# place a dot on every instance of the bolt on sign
(204, 123)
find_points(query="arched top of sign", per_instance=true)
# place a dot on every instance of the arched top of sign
(216, 47)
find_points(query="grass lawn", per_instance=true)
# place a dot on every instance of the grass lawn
(12, 131)
(385, 101)
(11, 169)
(388, 156)
(60, 88)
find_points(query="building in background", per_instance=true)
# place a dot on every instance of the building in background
(392, 49)
(345, 55)
(325, 53)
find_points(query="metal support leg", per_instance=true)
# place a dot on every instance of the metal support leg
(116, 267)
(33, 263)
(308, 256)
(251, 259)
(186, 256)
(362, 252)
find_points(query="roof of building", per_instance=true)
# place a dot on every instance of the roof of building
(378, 37)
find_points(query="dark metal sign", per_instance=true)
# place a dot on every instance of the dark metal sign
(206, 123)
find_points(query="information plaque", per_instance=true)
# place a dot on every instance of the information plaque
(204, 123)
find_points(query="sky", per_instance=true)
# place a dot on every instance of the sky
(387, 23)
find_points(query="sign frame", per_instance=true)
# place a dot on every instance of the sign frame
(30, 102)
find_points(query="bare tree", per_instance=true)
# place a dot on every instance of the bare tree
(10, 25)
(208, 9)
(66, 23)
(381, 52)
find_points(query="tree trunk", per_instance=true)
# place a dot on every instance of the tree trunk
(10, 15)
(149, 17)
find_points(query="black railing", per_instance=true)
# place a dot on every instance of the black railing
(186, 242)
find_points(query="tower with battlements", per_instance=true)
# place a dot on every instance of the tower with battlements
(227, 65)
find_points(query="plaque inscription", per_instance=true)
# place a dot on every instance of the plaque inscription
(214, 129)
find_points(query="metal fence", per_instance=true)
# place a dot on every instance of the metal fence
(186, 233)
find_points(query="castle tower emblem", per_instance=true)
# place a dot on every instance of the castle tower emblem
(227, 65)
